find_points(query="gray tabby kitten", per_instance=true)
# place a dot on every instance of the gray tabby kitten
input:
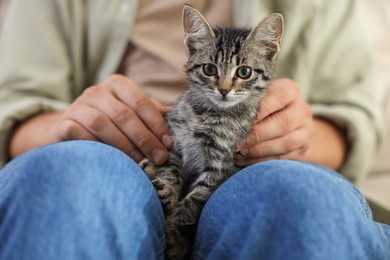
(229, 70)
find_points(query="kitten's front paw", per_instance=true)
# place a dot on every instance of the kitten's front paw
(167, 194)
(149, 168)
(178, 245)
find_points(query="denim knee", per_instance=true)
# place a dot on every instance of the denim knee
(281, 187)
(295, 184)
(78, 198)
(70, 157)
(71, 166)
(280, 210)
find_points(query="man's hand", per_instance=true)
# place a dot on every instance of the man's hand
(285, 129)
(117, 113)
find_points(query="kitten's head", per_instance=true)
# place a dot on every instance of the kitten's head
(230, 65)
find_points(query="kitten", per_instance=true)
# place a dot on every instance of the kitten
(229, 70)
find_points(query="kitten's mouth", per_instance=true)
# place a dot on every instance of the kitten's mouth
(225, 101)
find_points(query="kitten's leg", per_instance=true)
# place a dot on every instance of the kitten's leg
(167, 180)
(188, 210)
(178, 246)
(181, 224)
(149, 168)
(168, 183)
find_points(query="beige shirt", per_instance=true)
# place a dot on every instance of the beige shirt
(156, 55)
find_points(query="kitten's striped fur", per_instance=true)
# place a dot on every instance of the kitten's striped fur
(211, 117)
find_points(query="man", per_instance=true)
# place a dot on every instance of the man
(322, 70)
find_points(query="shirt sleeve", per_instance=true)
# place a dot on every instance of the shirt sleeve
(52, 50)
(325, 49)
(35, 71)
(342, 89)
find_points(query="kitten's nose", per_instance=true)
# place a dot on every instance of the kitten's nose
(223, 92)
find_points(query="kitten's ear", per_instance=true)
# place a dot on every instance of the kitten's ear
(268, 34)
(196, 28)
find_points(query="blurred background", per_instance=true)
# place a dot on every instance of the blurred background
(377, 23)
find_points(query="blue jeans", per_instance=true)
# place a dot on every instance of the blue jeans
(86, 200)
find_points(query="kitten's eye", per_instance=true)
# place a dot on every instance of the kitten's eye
(244, 72)
(210, 69)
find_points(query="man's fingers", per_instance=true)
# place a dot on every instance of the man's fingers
(103, 129)
(118, 113)
(133, 128)
(297, 115)
(132, 96)
(243, 162)
(280, 94)
(160, 107)
(283, 147)
(71, 130)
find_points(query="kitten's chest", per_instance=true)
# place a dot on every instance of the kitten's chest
(205, 132)
(207, 138)
(222, 130)
(201, 138)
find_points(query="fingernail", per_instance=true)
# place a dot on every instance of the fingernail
(167, 141)
(158, 156)
(244, 152)
(241, 155)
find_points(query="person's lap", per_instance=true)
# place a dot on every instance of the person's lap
(289, 210)
(78, 200)
(87, 200)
